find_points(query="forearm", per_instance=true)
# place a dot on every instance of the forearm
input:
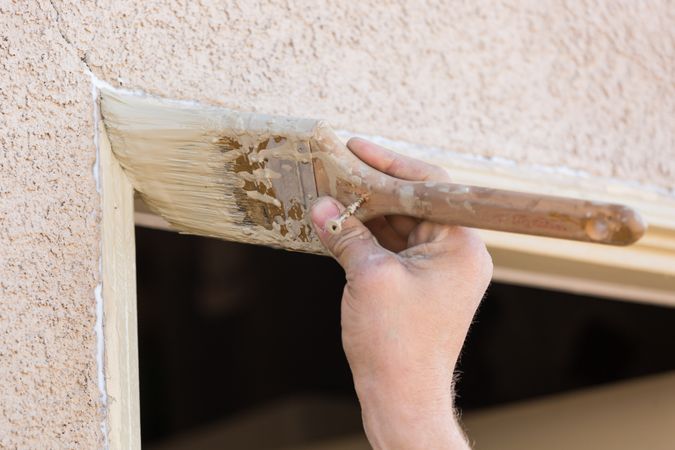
(409, 415)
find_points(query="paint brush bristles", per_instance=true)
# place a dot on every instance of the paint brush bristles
(214, 172)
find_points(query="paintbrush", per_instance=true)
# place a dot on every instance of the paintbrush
(252, 178)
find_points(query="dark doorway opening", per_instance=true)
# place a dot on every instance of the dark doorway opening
(246, 340)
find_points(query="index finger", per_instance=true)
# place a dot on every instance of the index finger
(395, 164)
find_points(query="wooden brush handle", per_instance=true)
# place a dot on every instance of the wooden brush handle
(502, 210)
(339, 173)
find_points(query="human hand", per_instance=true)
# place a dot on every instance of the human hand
(412, 290)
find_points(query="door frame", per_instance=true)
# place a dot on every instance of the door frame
(643, 272)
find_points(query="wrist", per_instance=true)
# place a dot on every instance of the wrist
(398, 414)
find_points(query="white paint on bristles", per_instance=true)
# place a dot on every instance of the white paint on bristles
(185, 159)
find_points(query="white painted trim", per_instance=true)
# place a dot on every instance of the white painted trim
(119, 304)
(145, 218)
(584, 286)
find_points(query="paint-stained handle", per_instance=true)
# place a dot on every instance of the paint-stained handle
(501, 210)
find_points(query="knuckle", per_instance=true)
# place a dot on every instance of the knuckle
(382, 270)
(467, 245)
(476, 254)
(487, 265)
(375, 276)
(339, 244)
(396, 165)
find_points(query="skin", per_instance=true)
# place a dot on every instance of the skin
(412, 290)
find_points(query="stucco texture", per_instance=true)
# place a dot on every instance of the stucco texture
(49, 237)
(582, 84)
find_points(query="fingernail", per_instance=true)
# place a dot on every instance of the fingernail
(324, 210)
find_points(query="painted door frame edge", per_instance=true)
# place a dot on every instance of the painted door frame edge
(121, 427)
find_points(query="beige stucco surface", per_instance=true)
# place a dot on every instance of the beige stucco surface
(49, 237)
(585, 84)
(581, 84)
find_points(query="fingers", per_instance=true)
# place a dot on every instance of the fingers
(398, 166)
(386, 235)
(459, 248)
(428, 232)
(353, 245)
(394, 164)
(403, 225)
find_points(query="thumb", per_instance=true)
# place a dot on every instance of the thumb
(353, 244)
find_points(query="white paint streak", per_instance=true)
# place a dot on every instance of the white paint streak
(100, 359)
(98, 326)
(407, 198)
(255, 195)
(104, 85)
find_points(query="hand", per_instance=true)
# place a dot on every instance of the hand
(412, 290)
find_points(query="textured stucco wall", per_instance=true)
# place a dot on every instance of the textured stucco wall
(588, 85)
(580, 83)
(49, 237)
